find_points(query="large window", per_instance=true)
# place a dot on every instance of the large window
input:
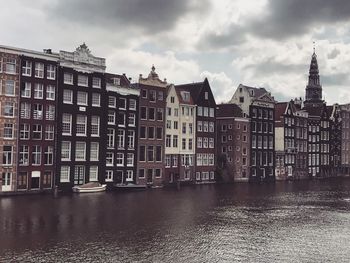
(110, 138)
(96, 98)
(121, 119)
(51, 72)
(49, 132)
(109, 159)
(142, 153)
(10, 65)
(81, 125)
(120, 159)
(24, 132)
(93, 173)
(65, 151)
(24, 155)
(37, 111)
(66, 124)
(8, 131)
(132, 104)
(50, 92)
(122, 103)
(7, 155)
(94, 149)
(38, 91)
(96, 82)
(82, 98)
(36, 155)
(68, 78)
(150, 153)
(121, 139)
(132, 119)
(27, 68)
(131, 139)
(95, 125)
(48, 155)
(109, 176)
(9, 110)
(26, 90)
(112, 102)
(80, 150)
(159, 153)
(111, 117)
(64, 175)
(50, 112)
(9, 88)
(67, 96)
(37, 132)
(39, 70)
(83, 80)
(130, 159)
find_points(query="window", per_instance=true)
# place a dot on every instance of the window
(211, 126)
(199, 126)
(211, 112)
(27, 68)
(112, 102)
(176, 112)
(176, 125)
(132, 119)
(184, 128)
(110, 138)
(132, 104)
(150, 132)
(81, 125)
(167, 160)
(121, 139)
(159, 114)
(122, 103)
(152, 96)
(51, 72)
(50, 92)
(109, 159)
(151, 114)
(120, 159)
(94, 154)
(121, 119)
(116, 81)
(96, 100)
(38, 91)
(168, 109)
(36, 155)
(80, 150)
(205, 142)
(82, 98)
(158, 173)
(96, 82)
(39, 70)
(37, 132)
(143, 113)
(205, 126)
(24, 132)
(66, 124)
(48, 155)
(26, 91)
(199, 142)
(109, 176)
(131, 139)
(159, 133)
(142, 153)
(67, 96)
(64, 175)
(9, 88)
(130, 159)
(7, 155)
(168, 124)
(38, 111)
(50, 112)
(143, 132)
(172, 99)
(9, 109)
(24, 155)
(49, 132)
(183, 144)
(95, 126)
(111, 117)
(159, 153)
(93, 174)
(160, 95)
(83, 80)
(211, 143)
(190, 144)
(206, 95)
(68, 78)
(175, 141)
(10, 65)
(144, 94)
(150, 153)
(8, 130)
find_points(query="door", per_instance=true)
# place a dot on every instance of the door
(6, 181)
(149, 175)
(79, 175)
(35, 180)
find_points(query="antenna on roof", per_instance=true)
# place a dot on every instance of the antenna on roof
(314, 43)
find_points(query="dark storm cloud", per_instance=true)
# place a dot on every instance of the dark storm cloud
(148, 15)
(282, 20)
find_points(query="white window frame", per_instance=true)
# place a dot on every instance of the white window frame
(83, 80)
(39, 70)
(80, 151)
(51, 72)
(66, 148)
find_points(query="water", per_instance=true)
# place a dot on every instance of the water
(285, 222)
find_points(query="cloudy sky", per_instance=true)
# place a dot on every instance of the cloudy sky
(265, 43)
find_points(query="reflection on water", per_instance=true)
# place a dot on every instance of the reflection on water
(285, 222)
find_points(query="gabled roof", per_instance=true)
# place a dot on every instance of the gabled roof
(179, 92)
(195, 89)
(254, 92)
(280, 109)
(124, 81)
(229, 110)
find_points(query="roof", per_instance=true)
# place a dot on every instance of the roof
(194, 88)
(124, 81)
(257, 92)
(280, 109)
(179, 92)
(229, 110)
(313, 110)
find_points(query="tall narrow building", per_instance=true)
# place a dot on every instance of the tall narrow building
(313, 96)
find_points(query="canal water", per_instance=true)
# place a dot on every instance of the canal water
(282, 222)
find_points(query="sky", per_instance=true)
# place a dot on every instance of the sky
(259, 43)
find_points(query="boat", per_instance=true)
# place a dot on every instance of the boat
(92, 187)
(130, 186)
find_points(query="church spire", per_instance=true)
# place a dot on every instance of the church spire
(314, 88)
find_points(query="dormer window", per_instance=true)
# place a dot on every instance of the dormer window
(206, 95)
(252, 92)
(116, 81)
(185, 96)
(240, 89)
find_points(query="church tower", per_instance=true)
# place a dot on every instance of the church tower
(314, 88)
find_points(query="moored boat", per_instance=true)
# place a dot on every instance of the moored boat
(92, 187)
(130, 186)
